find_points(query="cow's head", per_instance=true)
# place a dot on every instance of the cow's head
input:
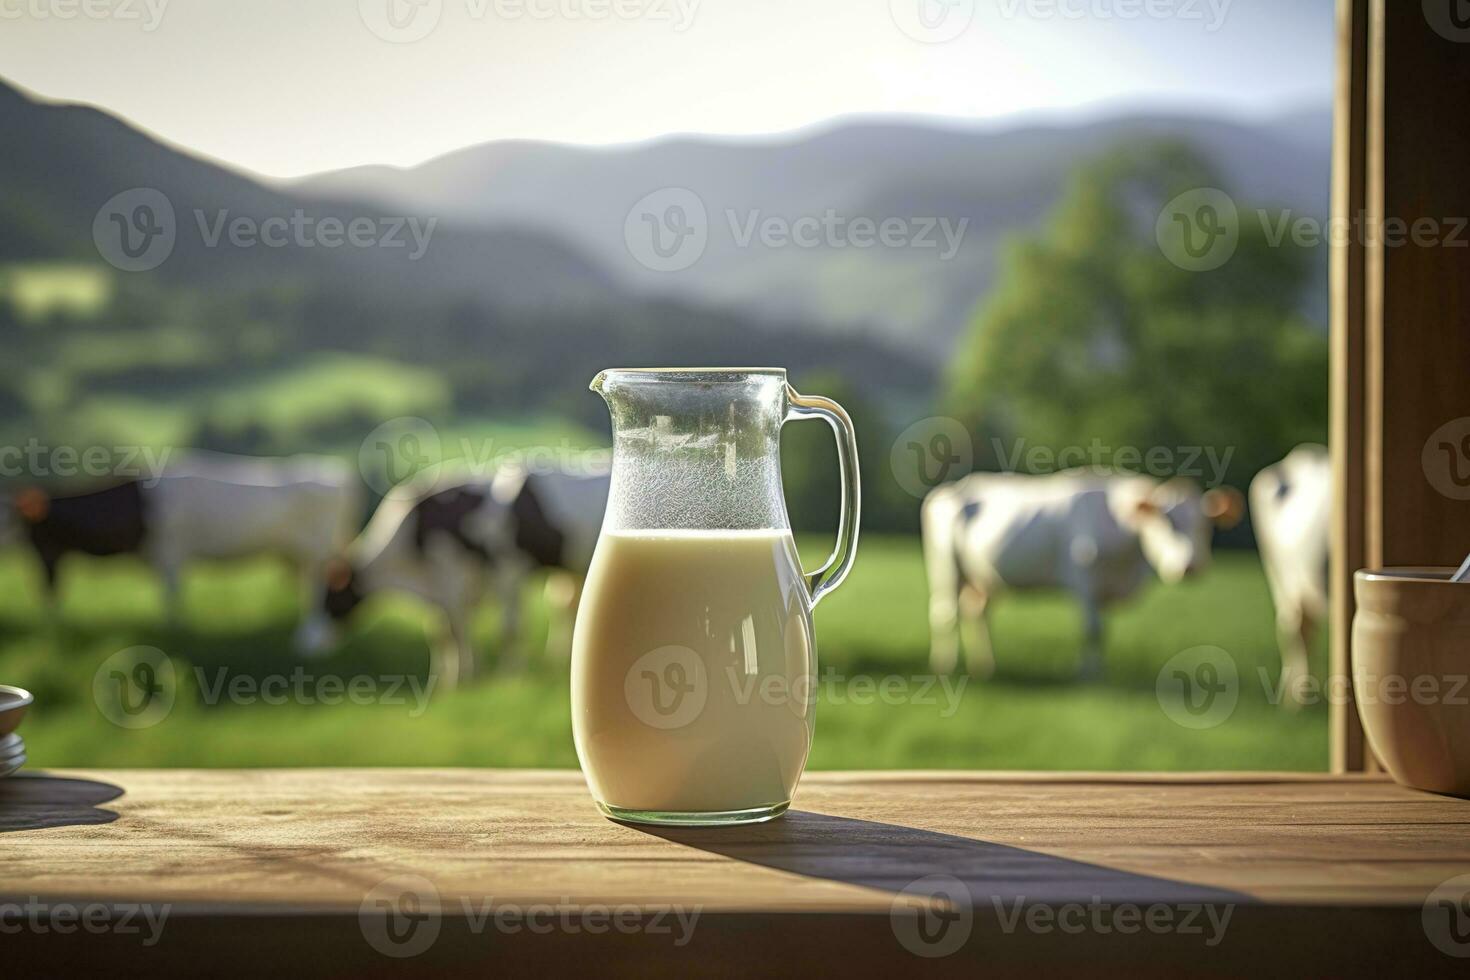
(1176, 524)
(343, 589)
(27, 508)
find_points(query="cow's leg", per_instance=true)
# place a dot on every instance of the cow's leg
(455, 586)
(944, 622)
(944, 634)
(937, 524)
(52, 627)
(444, 656)
(1092, 639)
(1294, 631)
(170, 574)
(562, 591)
(509, 583)
(459, 631)
(314, 633)
(452, 655)
(975, 628)
(51, 596)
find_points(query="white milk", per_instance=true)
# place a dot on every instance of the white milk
(693, 670)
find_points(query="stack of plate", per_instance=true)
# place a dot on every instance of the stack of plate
(12, 754)
(13, 704)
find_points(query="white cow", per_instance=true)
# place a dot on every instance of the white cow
(451, 539)
(206, 506)
(1094, 534)
(1291, 511)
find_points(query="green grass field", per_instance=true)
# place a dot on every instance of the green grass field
(1031, 715)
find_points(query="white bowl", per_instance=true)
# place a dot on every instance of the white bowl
(13, 704)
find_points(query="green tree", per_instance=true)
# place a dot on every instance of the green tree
(1094, 334)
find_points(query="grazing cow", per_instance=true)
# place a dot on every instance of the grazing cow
(1291, 510)
(203, 506)
(449, 540)
(1094, 534)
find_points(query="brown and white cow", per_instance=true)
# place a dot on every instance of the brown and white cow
(1094, 534)
(204, 506)
(450, 540)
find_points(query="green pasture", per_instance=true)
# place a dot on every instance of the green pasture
(1032, 714)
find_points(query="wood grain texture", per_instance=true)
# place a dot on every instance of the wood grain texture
(323, 837)
(293, 853)
(1349, 387)
(1419, 299)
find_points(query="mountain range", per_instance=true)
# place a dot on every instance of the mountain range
(534, 225)
(64, 162)
(990, 181)
(512, 317)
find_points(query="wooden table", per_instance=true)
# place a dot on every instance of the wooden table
(343, 871)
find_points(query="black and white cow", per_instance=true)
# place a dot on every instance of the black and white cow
(1093, 534)
(1291, 511)
(204, 506)
(450, 540)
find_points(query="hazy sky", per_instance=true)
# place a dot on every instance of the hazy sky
(288, 87)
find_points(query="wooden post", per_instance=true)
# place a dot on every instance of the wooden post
(1401, 306)
(1348, 383)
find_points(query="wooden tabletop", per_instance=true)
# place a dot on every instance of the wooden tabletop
(332, 869)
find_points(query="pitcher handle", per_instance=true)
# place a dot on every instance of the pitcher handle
(839, 563)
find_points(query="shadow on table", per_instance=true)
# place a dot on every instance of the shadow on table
(891, 858)
(33, 801)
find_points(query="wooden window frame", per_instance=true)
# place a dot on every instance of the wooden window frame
(1400, 314)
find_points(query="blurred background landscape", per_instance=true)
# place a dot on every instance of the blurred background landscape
(1056, 320)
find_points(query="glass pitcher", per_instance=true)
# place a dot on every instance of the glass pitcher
(693, 661)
